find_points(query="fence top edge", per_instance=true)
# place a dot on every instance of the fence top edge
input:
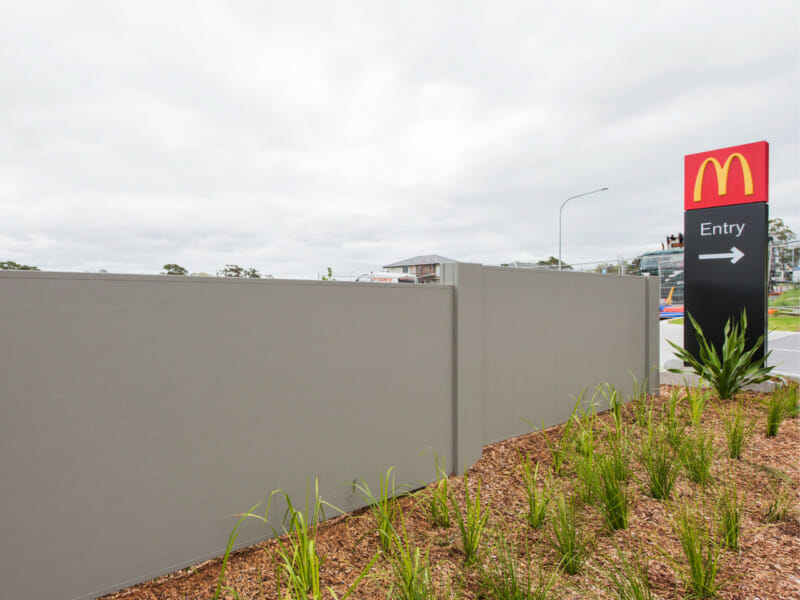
(188, 279)
(561, 273)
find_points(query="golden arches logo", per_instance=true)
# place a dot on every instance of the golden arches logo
(722, 176)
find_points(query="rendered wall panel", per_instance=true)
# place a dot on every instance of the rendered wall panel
(548, 335)
(139, 413)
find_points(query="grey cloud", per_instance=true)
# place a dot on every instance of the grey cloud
(303, 136)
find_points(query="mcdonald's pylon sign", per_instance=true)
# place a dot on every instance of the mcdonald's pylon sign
(736, 175)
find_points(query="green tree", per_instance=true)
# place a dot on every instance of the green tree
(614, 268)
(173, 269)
(329, 276)
(782, 234)
(10, 265)
(553, 263)
(606, 268)
(237, 271)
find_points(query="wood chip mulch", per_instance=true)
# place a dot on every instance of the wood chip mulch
(766, 566)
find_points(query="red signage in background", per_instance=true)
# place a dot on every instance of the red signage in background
(735, 175)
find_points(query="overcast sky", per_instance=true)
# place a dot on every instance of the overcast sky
(293, 136)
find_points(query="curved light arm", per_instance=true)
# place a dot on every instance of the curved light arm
(560, 210)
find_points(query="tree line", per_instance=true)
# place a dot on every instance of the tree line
(780, 234)
(227, 271)
(168, 269)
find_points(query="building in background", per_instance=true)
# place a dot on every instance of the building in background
(426, 268)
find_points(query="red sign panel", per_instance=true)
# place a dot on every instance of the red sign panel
(735, 175)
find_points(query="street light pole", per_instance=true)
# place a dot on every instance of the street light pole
(559, 218)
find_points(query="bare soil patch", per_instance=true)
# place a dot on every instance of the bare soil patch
(767, 565)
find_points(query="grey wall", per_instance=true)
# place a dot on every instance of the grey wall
(139, 413)
(549, 335)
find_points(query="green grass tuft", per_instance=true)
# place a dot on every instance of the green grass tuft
(660, 462)
(778, 507)
(697, 454)
(509, 576)
(738, 430)
(471, 521)
(567, 537)
(620, 454)
(559, 448)
(776, 412)
(674, 424)
(611, 494)
(729, 514)
(629, 577)
(585, 473)
(698, 399)
(701, 551)
(791, 405)
(438, 507)
(383, 507)
(411, 571)
(615, 401)
(538, 500)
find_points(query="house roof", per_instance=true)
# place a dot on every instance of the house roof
(425, 259)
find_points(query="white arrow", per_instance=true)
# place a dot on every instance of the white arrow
(735, 255)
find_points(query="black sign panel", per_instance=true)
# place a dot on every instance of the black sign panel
(725, 255)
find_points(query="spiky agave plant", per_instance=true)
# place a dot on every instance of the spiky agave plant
(731, 368)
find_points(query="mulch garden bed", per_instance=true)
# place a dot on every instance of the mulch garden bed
(766, 566)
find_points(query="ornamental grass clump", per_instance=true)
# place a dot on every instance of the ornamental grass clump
(584, 482)
(778, 507)
(438, 507)
(790, 399)
(642, 409)
(538, 500)
(611, 494)
(615, 402)
(739, 430)
(584, 433)
(299, 563)
(383, 507)
(509, 575)
(702, 552)
(776, 412)
(729, 514)
(471, 521)
(731, 368)
(567, 536)
(660, 462)
(629, 577)
(221, 587)
(620, 454)
(675, 426)
(559, 448)
(639, 390)
(411, 571)
(698, 399)
(697, 454)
